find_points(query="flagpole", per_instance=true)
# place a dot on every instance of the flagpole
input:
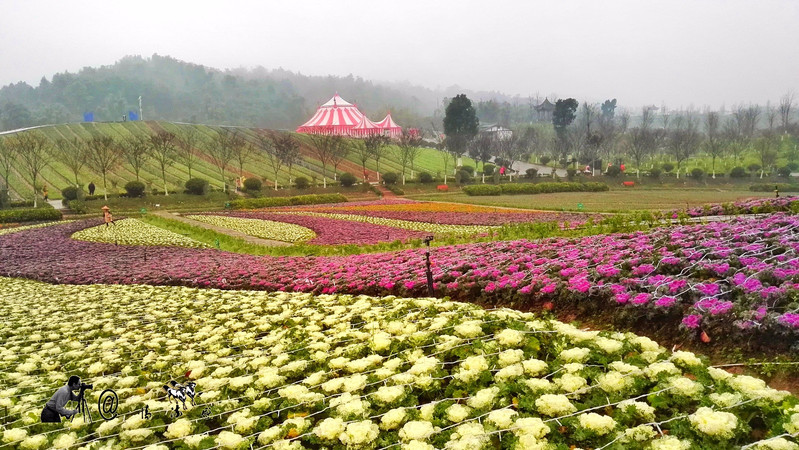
(141, 116)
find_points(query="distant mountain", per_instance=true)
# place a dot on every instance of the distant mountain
(178, 91)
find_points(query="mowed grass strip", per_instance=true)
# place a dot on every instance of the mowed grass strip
(610, 201)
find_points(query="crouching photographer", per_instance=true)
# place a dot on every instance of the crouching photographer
(54, 408)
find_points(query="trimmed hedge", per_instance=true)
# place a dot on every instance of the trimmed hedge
(769, 187)
(265, 202)
(29, 215)
(534, 188)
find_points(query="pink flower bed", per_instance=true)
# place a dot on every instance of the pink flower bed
(736, 278)
(335, 231)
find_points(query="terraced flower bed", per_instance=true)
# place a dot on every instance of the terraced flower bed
(135, 232)
(265, 229)
(294, 371)
(734, 279)
(404, 224)
(337, 232)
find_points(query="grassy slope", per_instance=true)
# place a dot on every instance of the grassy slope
(57, 176)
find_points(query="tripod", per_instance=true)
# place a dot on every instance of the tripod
(83, 406)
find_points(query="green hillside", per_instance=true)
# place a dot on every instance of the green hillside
(57, 176)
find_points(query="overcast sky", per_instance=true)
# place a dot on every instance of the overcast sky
(699, 52)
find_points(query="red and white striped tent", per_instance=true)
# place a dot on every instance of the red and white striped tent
(337, 116)
(366, 128)
(391, 128)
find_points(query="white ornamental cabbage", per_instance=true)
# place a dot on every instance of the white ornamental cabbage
(717, 424)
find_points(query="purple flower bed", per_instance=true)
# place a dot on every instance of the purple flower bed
(470, 218)
(335, 231)
(736, 278)
(753, 206)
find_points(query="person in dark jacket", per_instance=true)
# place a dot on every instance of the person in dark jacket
(91, 188)
(54, 408)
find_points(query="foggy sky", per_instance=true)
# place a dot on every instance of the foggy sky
(678, 53)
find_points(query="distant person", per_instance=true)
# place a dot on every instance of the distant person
(502, 170)
(107, 217)
(44, 192)
(54, 408)
(91, 188)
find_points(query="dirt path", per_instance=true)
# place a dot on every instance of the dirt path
(250, 239)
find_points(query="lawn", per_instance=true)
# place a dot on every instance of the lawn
(610, 201)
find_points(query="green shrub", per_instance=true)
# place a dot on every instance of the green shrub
(390, 178)
(253, 185)
(134, 188)
(784, 172)
(655, 173)
(347, 179)
(197, 186)
(768, 187)
(488, 169)
(469, 169)
(532, 172)
(69, 193)
(753, 167)
(395, 189)
(78, 206)
(29, 215)
(483, 189)
(425, 177)
(793, 166)
(668, 167)
(571, 172)
(738, 172)
(697, 173)
(301, 182)
(463, 177)
(613, 171)
(265, 202)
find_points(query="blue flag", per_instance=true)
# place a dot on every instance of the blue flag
(88, 116)
(132, 116)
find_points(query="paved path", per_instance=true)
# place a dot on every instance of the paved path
(245, 237)
(56, 204)
(522, 167)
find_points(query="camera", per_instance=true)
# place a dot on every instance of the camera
(427, 239)
(85, 386)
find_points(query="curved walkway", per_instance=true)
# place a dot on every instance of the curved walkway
(246, 237)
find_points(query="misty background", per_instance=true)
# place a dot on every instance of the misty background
(272, 63)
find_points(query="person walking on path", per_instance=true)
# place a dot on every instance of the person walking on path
(91, 188)
(44, 192)
(107, 216)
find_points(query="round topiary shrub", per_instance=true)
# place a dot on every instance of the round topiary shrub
(784, 171)
(697, 173)
(738, 172)
(571, 172)
(753, 167)
(347, 179)
(197, 186)
(793, 166)
(532, 172)
(545, 160)
(668, 167)
(655, 173)
(469, 169)
(488, 169)
(135, 188)
(301, 182)
(390, 177)
(613, 171)
(253, 185)
(425, 177)
(463, 177)
(69, 193)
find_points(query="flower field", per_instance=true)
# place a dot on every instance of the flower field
(336, 232)
(445, 213)
(291, 371)
(404, 224)
(266, 229)
(735, 279)
(135, 232)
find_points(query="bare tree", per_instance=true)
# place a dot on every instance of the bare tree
(72, 154)
(482, 148)
(103, 154)
(362, 153)
(162, 150)
(338, 155)
(771, 117)
(766, 151)
(684, 139)
(242, 150)
(747, 119)
(33, 150)
(7, 160)
(733, 138)
(287, 149)
(713, 141)
(136, 151)
(407, 150)
(509, 148)
(641, 140)
(324, 146)
(220, 151)
(375, 144)
(187, 142)
(785, 108)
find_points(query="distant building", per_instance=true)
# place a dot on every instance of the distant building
(496, 130)
(544, 111)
